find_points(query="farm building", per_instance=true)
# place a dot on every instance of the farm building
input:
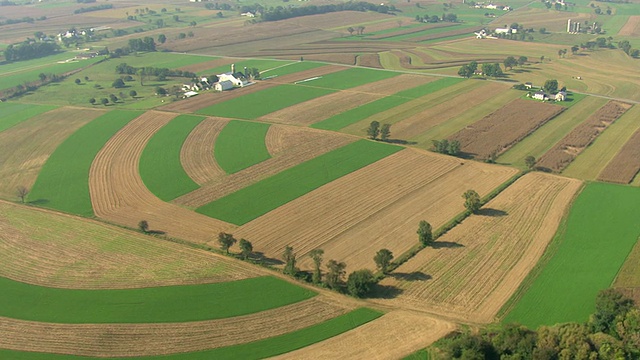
(540, 95)
(223, 85)
(528, 85)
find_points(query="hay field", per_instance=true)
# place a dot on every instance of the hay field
(14, 113)
(196, 153)
(626, 164)
(631, 27)
(409, 186)
(471, 271)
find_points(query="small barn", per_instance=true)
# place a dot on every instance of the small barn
(539, 95)
(223, 85)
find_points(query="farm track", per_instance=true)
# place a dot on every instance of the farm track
(626, 164)
(118, 340)
(353, 216)
(392, 336)
(119, 195)
(196, 154)
(312, 144)
(471, 271)
(27, 146)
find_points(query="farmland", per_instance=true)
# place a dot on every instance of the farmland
(241, 145)
(13, 114)
(626, 164)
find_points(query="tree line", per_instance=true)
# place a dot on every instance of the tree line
(281, 13)
(125, 69)
(30, 50)
(93, 8)
(488, 69)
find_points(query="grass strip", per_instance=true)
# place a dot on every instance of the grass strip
(350, 78)
(13, 113)
(258, 199)
(252, 106)
(602, 228)
(290, 68)
(241, 145)
(160, 166)
(147, 305)
(63, 182)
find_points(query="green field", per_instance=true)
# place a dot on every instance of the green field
(28, 73)
(258, 199)
(259, 64)
(601, 229)
(160, 166)
(147, 305)
(360, 113)
(13, 113)
(255, 350)
(254, 105)
(63, 182)
(290, 68)
(241, 145)
(350, 78)
(435, 31)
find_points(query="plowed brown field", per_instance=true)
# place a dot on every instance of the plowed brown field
(27, 146)
(378, 206)
(498, 131)
(471, 271)
(119, 195)
(118, 340)
(199, 67)
(196, 154)
(49, 249)
(624, 167)
(631, 27)
(301, 144)
(563, 153)
(392, 336)
(369, 60)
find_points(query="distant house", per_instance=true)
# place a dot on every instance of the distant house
(223, 85)
(507, 30)
(560, 96)
(189, 94)
(235, 79)
(481, 34)
(540, 95)
(528, 85)
(248, 14)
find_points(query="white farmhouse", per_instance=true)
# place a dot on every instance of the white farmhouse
(540, 95)
(223, 85)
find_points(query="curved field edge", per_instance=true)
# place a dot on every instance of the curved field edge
(160, 166)
(254, 350)
(601, 230)
(147, 305)
(258, 199)
(240, 145)
(14, 113)
(63, 182)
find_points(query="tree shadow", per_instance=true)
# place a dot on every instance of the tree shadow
(413, 276)
(491, 212)
(38, 202)
(385, 292)
(518, 71)
(400, 141)
(259, 256)
(156, 232)
(445, 244)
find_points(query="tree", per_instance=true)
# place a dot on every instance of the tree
(289, 261)
(316, 256)
(360, 282)
(143, 225)
(42, 77)
(574, 49)
(374, 130)
(246, 247)
(350, 30)
(454, 148)
(471, 201)
(104, 101)
(133, 93)
(530, 161)
(161, 91)
(335, 274)
(118, 83)
(551, 86)
(466, 71)
(92, 101)
(510, 62)
(542, 30)
(176, 18)
(383, 259)
(22, 193)
(360, 30)
(86, 78)
(226, 241)
(113, 98)
(141, 72)
(78, 81)
(425, 236)
(193, 24)
(609, 305)
(522, 60)
(162, 38)
(385, 132)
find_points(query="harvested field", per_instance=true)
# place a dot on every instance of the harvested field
(338, 19)
(392, 336)
(471, 271)
(632, 27)
(561, 155)
(48, 249)
(429, 187)
(300, 145)
(408, 31)
(369, 60)
(624, 167)
(119, 195)
(339, 58)
(438, 114)
(196, 155)
(196, 68)
(464, 30)
(124, 340)
(497, 132)
(27, 146)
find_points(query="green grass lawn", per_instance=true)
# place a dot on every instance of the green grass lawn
(160, 166)
(255, 350)
(350, 78)
(28, 65)
(63, 182)
(241, 145)
(147, 305)
(360, 113)
(601, 230)
(30, 73)
(290, 68)
(14, 113)
(258, 199)
(254, 105)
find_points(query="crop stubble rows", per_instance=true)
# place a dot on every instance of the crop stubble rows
(196, 155)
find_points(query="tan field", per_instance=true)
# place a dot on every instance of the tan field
(119, 195)
(626, 164)
(196, 154)
(378, 206)
(27, 146)
(632, 27)
(471, 271)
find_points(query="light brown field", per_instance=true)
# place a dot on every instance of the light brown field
(369, 60)
(626, 164)
(324, 107)
(332, 20)
(199, 67)
(118, 340)
(196, 154)
(378, 206)
(550, 19)
(27, 146)
(632, 27)
(392, 336)
(300, 145)
(471, 271)
(119, 195)
(48, 249)
(409, 30)
(436, 115)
